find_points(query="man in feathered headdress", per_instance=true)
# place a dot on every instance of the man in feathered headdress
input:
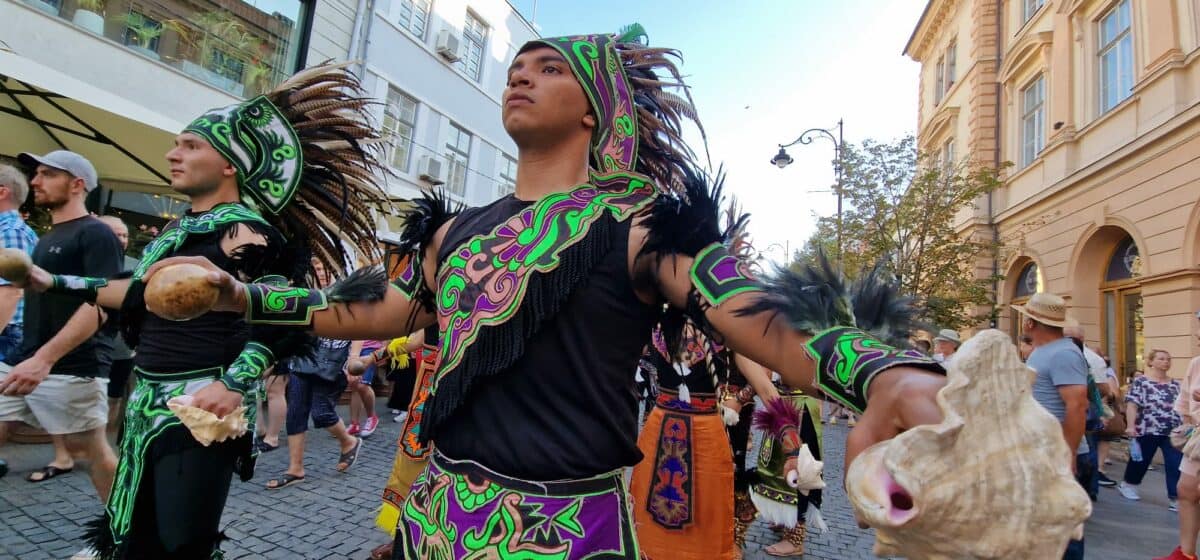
(545, 298)
(271, 181)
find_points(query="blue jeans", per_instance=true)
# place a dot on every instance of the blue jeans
(309, 395)
(1074, 550)
(10, 339)
(1136, 471)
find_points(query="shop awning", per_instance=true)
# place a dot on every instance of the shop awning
(42, 109)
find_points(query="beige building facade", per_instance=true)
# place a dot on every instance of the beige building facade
(1096, 105)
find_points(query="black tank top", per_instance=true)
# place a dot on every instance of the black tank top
(568, 407)
(212, 339)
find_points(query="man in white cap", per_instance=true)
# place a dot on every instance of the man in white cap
(54, 379)
(945, 344)
(1062, 373)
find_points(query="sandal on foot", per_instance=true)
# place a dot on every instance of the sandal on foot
(284, 481)
(264, 447)
(347, 459)
(47, 472)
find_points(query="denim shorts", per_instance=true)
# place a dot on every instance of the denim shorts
(369, 375)
(309, 395)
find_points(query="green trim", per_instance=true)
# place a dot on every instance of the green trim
(177, 232)
(848, 359)
(78, 286)
(205, 373)
(248, 368)
(718, 276)
(282, 305)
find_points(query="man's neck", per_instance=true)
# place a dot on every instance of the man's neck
(6, 205)
(1042, 338)
(208, 201)
(542, 172)
(72, 210)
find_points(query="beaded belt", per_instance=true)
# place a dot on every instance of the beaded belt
(699, 403)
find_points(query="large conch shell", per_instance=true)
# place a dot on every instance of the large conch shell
(806, 477)
(992, 480)
(205, 426)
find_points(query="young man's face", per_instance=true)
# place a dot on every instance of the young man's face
(543, 97)
(53, 187)
(196, 167)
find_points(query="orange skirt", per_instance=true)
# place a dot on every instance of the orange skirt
(683, 487)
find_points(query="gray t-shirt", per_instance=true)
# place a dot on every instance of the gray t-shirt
(1057, 363)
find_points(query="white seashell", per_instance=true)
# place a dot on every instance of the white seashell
(807, 476)
(992, 480)
(204, 425)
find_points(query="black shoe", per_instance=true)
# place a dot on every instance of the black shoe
(1106, 482)
(3, 468)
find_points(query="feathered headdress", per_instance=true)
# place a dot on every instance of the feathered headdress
(306, 159)
(639, 122)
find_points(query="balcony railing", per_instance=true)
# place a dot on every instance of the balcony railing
(230, 44)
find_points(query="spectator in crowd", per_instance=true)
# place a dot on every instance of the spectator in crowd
(55, 380)
(120, 376)
(314, 385)
(1112, 400)
(1150, 416)
(945, 344)
(923, 346)
(270, 423)
(1024, 346)
(1060, 385)
(363, 420)
(15, 234)
(1188, 407)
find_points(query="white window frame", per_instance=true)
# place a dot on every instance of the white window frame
(1033, 120)
(413, 16)
(1030, 8)
(951, 65)
(475, 35)
(939, 81)
(507, 175)
(458, 159)
(947, 156)
(1115, 89)
(394, 119)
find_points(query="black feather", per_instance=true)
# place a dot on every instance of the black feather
(365, 284)
(684, 226)
(423, 218)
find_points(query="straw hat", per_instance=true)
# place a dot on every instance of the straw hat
(1047, 309)
(949, 335)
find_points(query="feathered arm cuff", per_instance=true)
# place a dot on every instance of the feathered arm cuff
(421, 222)
(858, 329)
(269, 303)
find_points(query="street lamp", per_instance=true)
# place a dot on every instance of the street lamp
(782, 159)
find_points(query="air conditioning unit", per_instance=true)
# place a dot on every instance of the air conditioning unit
(429, 168)
(448, 45)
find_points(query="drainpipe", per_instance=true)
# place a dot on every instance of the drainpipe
(358, 37)
(996, 284)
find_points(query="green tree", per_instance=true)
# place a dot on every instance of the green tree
(902, 209)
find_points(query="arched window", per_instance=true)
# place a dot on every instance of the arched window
(1125, 263)
(1029, 282)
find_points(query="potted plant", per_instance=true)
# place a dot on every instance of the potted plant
(144, 32)
(89, 16)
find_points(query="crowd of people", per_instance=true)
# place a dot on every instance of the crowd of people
(525, 321)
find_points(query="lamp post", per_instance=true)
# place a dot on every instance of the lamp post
(782, 159)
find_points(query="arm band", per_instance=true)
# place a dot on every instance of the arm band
(268, 304)
(243, 374)
(78, 286)
(717, 275)
(848, 360)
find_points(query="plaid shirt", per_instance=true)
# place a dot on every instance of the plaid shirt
(16, 235)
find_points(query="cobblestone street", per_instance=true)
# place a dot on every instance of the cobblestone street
(330, 515)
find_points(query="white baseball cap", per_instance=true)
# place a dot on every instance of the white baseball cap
(70, 162)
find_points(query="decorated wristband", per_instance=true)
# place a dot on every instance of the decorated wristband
(848, 359)
(243, 374)
(268, 304)
(78, 286)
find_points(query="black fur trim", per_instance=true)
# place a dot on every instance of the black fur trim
(497, 347)
(816, 297)
(365, 284)
(424, 218)
(99, 537)
(684, 226)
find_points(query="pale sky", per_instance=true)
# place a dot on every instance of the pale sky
(763, 71)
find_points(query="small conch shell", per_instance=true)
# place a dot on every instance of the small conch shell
(15, 265)
(992, 480)
(204, 425)
(807, 474)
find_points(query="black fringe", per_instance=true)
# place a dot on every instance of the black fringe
(99, 537)
(497, 347)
